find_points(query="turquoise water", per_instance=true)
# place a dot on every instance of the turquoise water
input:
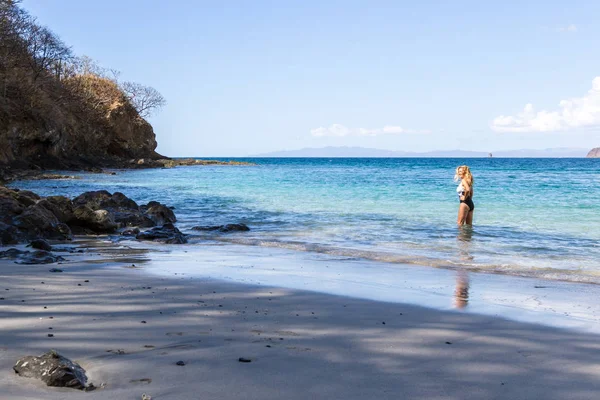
(533, 217)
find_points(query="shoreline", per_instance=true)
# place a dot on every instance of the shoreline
(321, 345)
(11, 173)
(562, 304)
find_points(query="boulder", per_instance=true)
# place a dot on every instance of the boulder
(30, 257)
(26, 197)
(98, 221)
(129, 218)
(92, 199)
(60, 206)
(53, 369)
(167, 233)
(223, 228)
(159, 213)
(40, 244)
(29, 194)
(130, 232)
(125, 212)
(9, 234)
(9, 205)
(119, 200)
(37, 222)
(65, 232)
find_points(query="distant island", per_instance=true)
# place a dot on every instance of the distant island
(344, 151)
(594, 153)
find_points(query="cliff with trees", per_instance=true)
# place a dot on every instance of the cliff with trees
(59, 111)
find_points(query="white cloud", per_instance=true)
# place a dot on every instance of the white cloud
(578, 112)
(338, 130)
(569, 28)
(334, 130)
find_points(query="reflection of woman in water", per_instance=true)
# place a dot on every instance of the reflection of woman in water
(461, 292)
(465, 195)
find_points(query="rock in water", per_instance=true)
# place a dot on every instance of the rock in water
(223, 228)
(167, 233)
(159, 213)
(53, 369)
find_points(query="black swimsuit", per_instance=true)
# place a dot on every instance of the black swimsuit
(469, 202)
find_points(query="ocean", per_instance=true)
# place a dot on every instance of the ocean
(533, 217)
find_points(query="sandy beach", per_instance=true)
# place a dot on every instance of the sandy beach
(128, 328)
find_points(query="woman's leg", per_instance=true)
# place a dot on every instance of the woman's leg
(469, 220)
(463, 212)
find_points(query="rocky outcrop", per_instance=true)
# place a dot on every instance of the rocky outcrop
(594, 153)
(52, 369)
(25, 216)
(100, 129)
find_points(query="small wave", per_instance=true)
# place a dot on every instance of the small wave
(548, 273)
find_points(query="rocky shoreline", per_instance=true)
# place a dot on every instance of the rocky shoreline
(26, 217)
(9, 173)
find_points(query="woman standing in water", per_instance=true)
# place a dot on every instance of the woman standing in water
(465, 195)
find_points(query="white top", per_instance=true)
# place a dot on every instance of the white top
(460, 190)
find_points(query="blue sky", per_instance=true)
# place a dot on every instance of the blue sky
(247, 77)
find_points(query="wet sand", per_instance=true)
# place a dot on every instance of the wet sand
(128, 329)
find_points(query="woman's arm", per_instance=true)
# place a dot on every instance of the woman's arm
(467, 190)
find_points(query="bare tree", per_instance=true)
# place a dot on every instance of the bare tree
(48, 51)
(145, 99)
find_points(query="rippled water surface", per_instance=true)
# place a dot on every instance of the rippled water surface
(533, 217)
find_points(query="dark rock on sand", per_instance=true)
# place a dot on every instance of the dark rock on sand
(9, 234)
(223, 228)
(10, 207)
(60, 206)
(101, 221)
(40, 244)
(37, 222)
(53, 369)
(167, 233)
(124, 211)
(130, 232)
(30, 257)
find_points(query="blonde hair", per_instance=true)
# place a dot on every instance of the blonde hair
(468, 176)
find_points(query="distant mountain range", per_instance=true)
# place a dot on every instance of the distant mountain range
(367, 152)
